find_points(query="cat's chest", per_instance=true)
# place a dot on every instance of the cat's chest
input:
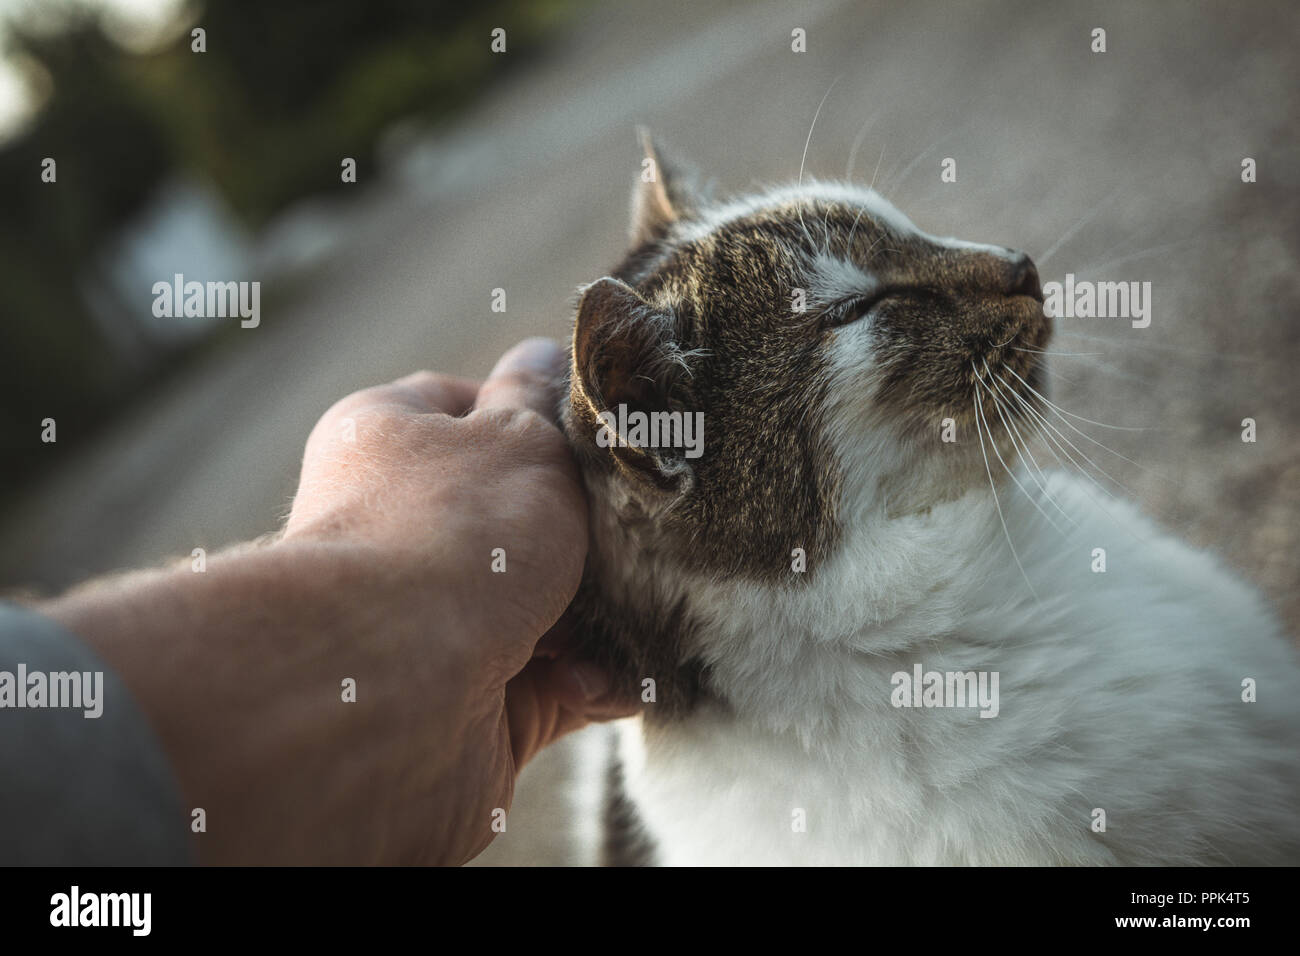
(712, 791)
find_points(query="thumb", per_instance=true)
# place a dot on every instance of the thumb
(527, 376)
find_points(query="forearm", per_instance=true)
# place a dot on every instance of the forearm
(230, 666)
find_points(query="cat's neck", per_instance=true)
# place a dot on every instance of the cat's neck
(779, 653)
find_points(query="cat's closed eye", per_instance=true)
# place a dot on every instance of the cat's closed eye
(853, 309)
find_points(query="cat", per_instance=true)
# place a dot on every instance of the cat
(793, 602)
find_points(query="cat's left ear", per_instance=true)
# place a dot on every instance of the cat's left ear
(627, 370)
(665, 192)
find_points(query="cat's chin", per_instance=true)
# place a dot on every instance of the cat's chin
(950, 476)
(1021, 345)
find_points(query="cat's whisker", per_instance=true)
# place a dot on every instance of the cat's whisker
(849, 245)
(872, 184)
(1051, 446)
(1061, 411)
(1053, 430)
(857, 144)
(1009, 423)
(1035, 419)
(1056, 374)
(867, 257)
(826, 230)
(1071, 232)
(1017, 348)
(897, 180)
(804, 159)
(1157, 347)
(858, 217)
(1004, 343)
(1089, 270)
(993, 488)
(1011, 474)
(1056, 431)
(1050, 441)
(1103, 368)
(1143, 381)
(896, 252)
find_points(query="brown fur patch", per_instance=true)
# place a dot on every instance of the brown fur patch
(768, 481)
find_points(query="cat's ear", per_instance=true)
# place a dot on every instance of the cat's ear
(665, 192)
(626, 361)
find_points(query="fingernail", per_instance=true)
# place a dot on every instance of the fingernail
(592, 679)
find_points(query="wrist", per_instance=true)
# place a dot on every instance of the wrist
(231, 665)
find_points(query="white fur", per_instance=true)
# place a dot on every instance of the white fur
(712, 218)
(1120, 691)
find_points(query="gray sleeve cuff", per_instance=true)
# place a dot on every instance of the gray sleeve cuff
(78, 790)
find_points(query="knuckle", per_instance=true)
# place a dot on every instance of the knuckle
(425, 388)
(519, 423)
(524, 378)
(525, 386)
(422, 379)
(350, 405)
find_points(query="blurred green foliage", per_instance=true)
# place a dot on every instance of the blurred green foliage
(284, 90)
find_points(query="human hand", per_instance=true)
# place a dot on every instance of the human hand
(384, 576)
(441, 474)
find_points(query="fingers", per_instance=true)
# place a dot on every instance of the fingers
(584, 688)
(558, 640)
(551, 698)
(431, 392)
(421, 392)
(528, 376)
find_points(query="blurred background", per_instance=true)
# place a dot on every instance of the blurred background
(479, 170)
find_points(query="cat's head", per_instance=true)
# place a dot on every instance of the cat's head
(845, 363)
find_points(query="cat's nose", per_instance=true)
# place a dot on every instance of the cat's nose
(1022, 276)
